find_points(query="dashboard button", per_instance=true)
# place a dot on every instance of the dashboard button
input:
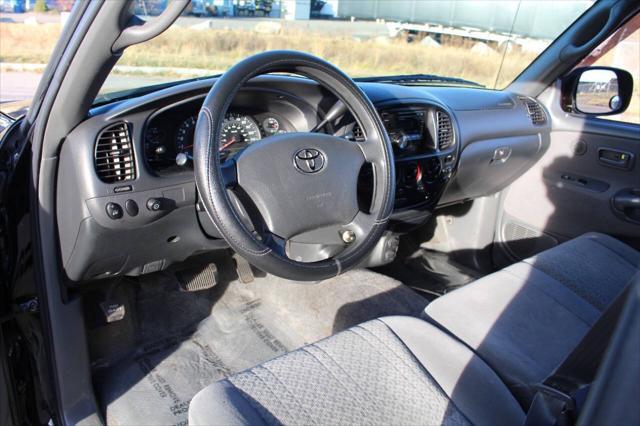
(131, 207)
(114, 211)
(154, 204)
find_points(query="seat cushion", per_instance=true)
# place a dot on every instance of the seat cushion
(394, 370)
(525, 319)
(594, 266)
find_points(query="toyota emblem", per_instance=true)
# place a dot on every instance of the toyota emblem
(309, 160)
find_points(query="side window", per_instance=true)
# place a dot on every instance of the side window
(622, 50)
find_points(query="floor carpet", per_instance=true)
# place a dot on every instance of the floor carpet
(189, 340)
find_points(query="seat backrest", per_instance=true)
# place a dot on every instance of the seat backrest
(613, 398)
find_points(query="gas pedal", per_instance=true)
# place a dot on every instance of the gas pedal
(243, 268)
(198, 278)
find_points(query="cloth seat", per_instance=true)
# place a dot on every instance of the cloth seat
(394, 370)
(524, 320)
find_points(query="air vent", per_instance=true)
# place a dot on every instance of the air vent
(357, 133)
(444, 130)
(534, 110)
(114, 154)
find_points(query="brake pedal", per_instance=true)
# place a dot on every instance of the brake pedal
(243, 268)
(198, 278)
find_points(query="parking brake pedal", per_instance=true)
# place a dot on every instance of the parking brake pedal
(243, 268)
(198, 278)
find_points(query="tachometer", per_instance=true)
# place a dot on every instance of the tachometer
(238, 131)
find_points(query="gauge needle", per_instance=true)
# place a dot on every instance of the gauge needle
(228, 144)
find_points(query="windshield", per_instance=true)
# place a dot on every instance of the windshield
(475, 42)
(483, 42)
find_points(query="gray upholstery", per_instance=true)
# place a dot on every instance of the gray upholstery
(525, 319)
(395, 370)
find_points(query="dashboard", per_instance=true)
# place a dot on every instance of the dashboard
(127, 200)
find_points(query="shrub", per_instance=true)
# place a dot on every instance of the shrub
(40, 6)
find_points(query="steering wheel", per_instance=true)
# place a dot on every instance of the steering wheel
(299, 189)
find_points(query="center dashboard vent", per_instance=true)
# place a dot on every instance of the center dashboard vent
(444, 130)
(534, 110)
(113, 155)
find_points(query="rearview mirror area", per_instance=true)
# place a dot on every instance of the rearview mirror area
(597, 91)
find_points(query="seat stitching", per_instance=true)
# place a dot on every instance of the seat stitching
(634, 267)
(542, 289)
(433, 379)
(291, 393)
(381, 353)
(420, 366)
(566, 285)
(252, 402)
(357, 397)
(268, 388)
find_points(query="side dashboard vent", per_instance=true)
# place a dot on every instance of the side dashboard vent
(113, 155)
(444, 130)
(534, 110)
(357, 133)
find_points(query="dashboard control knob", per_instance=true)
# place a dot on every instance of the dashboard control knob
(182, 159)
(114, 210)
(154, 204)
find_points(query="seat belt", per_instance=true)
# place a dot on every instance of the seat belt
(556, 397)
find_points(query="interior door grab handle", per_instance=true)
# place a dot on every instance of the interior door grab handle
(626, 203)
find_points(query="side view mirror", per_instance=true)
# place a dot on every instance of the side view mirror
(597, 91)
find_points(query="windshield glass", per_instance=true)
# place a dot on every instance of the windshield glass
(483, 42)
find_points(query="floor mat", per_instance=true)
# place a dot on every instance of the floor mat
(431, 272)
(246, 324)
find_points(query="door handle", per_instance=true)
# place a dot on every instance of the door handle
(626, 203)
(615, 158)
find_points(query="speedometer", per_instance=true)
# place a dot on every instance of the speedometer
(238, 131)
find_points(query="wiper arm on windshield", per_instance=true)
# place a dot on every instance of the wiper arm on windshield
(418, 79)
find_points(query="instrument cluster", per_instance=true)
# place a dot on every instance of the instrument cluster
(169, 135)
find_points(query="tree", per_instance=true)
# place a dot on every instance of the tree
(40, 6)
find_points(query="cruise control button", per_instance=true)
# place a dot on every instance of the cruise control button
(114, 211)
(131, 207)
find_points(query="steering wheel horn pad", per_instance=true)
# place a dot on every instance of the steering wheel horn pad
(303, 185)
(295, 194)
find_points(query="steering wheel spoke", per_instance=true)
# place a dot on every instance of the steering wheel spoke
(370, 148)
(276, 243)
(229, 173)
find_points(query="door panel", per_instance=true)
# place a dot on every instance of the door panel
(571, 190)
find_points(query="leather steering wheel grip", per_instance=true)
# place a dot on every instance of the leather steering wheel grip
(213, 190)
